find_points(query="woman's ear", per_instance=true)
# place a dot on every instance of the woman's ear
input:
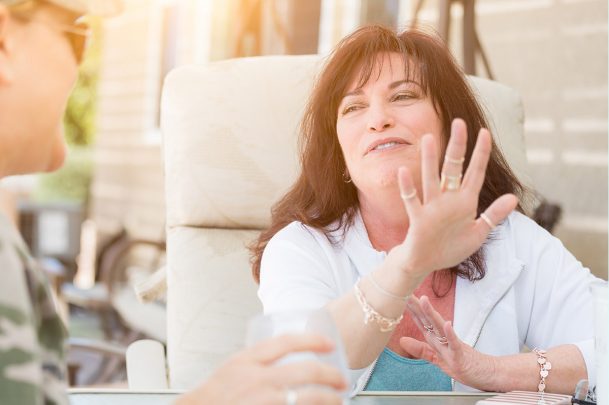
(6, 70)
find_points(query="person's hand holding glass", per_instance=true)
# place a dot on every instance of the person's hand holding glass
(254, 376)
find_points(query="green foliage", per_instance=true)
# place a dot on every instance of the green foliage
(79, 120)
(71, 182)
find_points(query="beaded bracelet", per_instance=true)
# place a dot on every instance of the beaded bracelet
(544, 368)
(370, 314)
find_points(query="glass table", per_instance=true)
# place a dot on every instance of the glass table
(166, 397)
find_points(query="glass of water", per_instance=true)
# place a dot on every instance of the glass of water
(318, 322)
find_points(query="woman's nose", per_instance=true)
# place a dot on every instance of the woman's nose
(379, 119)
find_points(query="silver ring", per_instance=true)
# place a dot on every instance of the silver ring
(488, 221)
(291, 397)
(441, 339)
(453, 160)
(430, 329)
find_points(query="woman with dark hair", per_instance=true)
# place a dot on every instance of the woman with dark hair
(435, 278)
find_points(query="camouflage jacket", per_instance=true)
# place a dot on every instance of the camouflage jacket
(32, 336)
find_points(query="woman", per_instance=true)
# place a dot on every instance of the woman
(41, 45)
(435, 278)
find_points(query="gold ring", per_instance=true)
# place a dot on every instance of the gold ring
(409, 196)
(453, 160)
(450, 183)
(488, 221)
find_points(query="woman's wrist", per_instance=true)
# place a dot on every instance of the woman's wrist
(401, 284)
(490, 375)
(405, 274)
(483, 372)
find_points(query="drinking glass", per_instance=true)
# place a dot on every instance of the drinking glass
(318, 322)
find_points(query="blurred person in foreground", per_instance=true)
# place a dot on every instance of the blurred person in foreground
(41, 46)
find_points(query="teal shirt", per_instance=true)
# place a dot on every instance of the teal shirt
(393, 372)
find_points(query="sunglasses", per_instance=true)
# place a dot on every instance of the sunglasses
(77, 32)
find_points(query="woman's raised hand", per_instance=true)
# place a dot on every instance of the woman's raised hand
(444, 228)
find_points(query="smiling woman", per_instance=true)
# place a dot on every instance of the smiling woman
(404, 221)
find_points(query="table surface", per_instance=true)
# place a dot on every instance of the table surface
(120, 397)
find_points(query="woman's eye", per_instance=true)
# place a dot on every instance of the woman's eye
(403, 96)
(351, 108)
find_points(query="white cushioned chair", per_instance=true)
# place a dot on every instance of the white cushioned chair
(229, 139)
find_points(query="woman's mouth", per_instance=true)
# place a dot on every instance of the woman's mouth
(385, 145)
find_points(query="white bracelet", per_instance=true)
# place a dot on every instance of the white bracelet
(385, 324)
(544, 368)
(385, 292)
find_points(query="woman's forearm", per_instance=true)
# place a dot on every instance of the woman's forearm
(363, 342)
(521, 371)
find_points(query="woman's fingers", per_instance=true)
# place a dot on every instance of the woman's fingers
(428, 318)
(437, 338)
(419, 323)
(495, 214)
(418, 350)
(408, 192)
(271, 350)
(432, 330)
(476, 170)
(430, 313)
(451, 336)
(414, 306)
(429, 168)
(452, 167)
(307, 372)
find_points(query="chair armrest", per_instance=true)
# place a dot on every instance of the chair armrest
(146, 365)
(153, 287)
(112, 258)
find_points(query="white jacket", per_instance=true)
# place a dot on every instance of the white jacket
(535, 293)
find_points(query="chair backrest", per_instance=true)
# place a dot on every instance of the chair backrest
(229, 138)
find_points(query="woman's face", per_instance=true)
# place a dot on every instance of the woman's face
(380, 126)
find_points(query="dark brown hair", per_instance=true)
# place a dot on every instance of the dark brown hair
(320, 197)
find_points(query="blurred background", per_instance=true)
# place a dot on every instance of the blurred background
(98, 223)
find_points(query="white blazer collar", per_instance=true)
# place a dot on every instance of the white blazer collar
(474, 301)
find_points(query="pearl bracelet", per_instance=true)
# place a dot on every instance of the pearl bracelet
(370, 314)
(544, 368)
